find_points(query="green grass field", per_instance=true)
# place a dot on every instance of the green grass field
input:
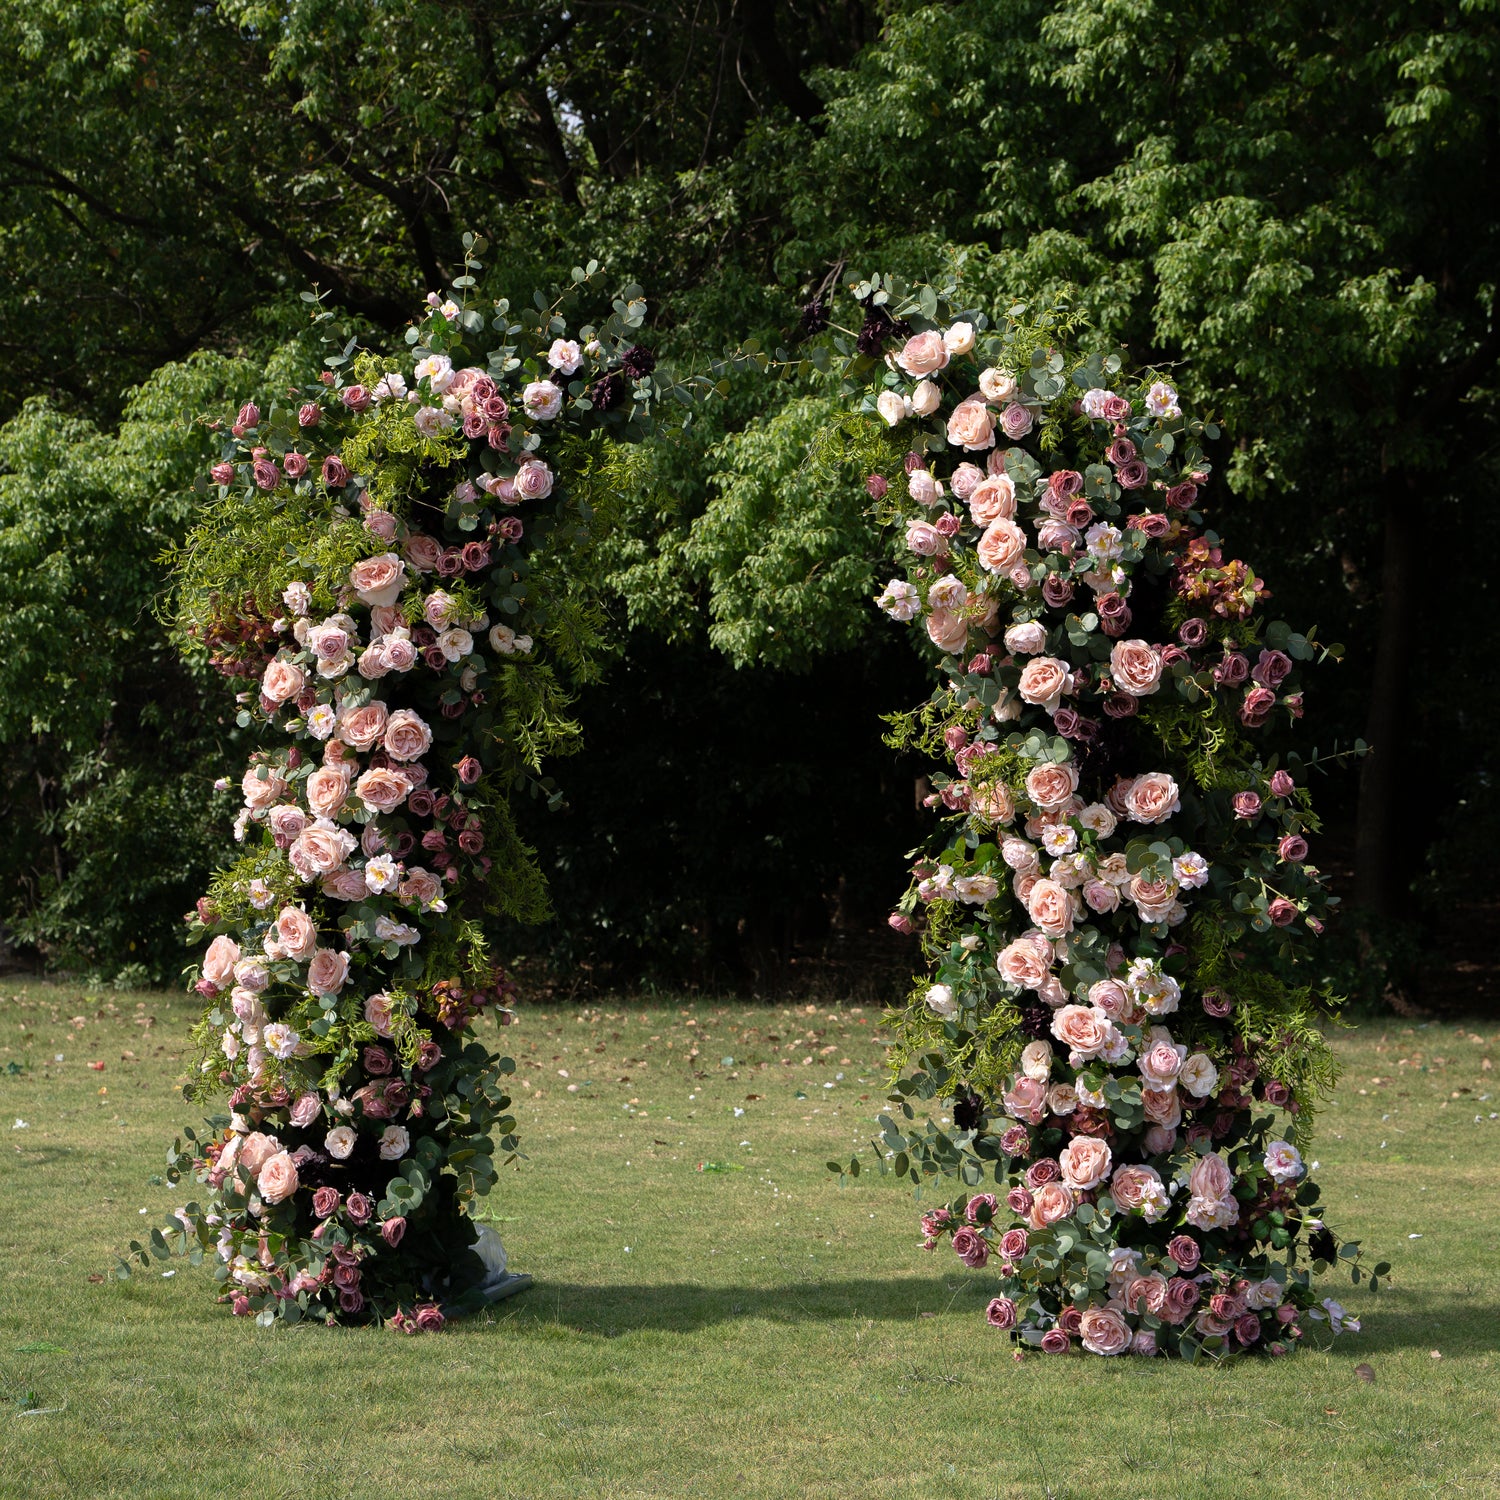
(713, 1315)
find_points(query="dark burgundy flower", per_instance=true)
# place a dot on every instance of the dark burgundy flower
(608, 391)
(638, 362)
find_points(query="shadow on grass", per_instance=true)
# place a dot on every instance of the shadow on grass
(682, 1307)
(1456, 1322)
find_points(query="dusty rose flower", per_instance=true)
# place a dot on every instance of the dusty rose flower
(923, 354)
(1281, 911)
(1162, 1107)
(972, 425)
(1085, 1162)
(278, 1178)
(1184, 1251)
(1232, 671)
(393, 1230)
(1016, 421)
(295, 464)
(1135, 668)
(306, 1109)
(1272, 669)
(1256, 708)
(222, 473)
(1055, 1341)
(359, 1208)
(282, 681)
(327, 972)
(1001, 1313)
(970, 1247)
(1103, 1331)
(1293, 848)
(430, 1318)
(382, 790)
(1246, 805)
(335, 475)
(533, 480)
(1084, 1029)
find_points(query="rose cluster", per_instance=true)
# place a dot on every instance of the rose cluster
(347, 960)
(1111, 919)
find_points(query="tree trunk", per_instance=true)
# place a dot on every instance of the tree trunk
(1381, 844)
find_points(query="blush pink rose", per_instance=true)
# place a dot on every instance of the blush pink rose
(406, 735)
(1103, 1331)
(282, 681)
(219, 961)
(328, 971)
(1026, 1100)
(1001, 546)
(262, 791)
(1162, 1107)
(378, 1013)
(1023, 963)
(1051, 908)
(256, 1150)
(1050, 786)
(1043, 681)
(1051, 1203)
(972, 425)
(1152, 798)
(1135, 667)
(278, 1178)
(328, 789)
(923, 354)
(420, 887)
(993, 499)
(1160, 1064)
(1085, 1162)
(1211, 1178)
(1084, 1029)
(318, 851)
(305, 1109)
(948, 629)
(382, 790)
(296, 934)
(363, 727)
(1129, 1184)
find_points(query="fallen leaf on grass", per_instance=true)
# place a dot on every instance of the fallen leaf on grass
(95, 1277)
(98, 1067)
(1365, 1373)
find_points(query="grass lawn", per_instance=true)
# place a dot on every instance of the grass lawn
(713, 1315)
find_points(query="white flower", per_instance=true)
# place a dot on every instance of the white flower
(892, 407)
(1059, 839)
(1199, 1076)
(1338, 1317)
(450, 309)
(940, 1001)
(1161, 401)
(1105, 543)
(339, 1142)
(280, 1039)
(925, 398)
(1191, 870)
(1093, 402)
(976, 889)
(970, 942)
(900, 600)
(394, 1142)
(438, 370)
(433, 421)
(1156, 1199)
(542, 399)
(391, 384)
(321, 720)
(1098, 819)
(1283, 1161)
(231, 1045)
(997, 385)
(948, 593)
(1090, 1098)
(593, 348)
(1036, 1060)
(565, 356)
(455, 643)
(297, 597)
(382, 874)
(388, 931)
(959, 339)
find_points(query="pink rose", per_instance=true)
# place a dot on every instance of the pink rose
(970, 1247)
(378, 1010)
(1026, 1099)
(256, 1150)
(378, 580)
(1023, 963)
(1043, 681)
(1293, 848)
(1211, 1178)
(1104, 1331)
(1001, 1313)
(430, 1318)
(1055, 1341)
(923, 354)
(972, 425)
(222, 473)
(282, 681)
(363, 727)
(1185, 1252)
(327, 972)
(382, 790)
(393, 1230)
(1135, 667)
(1152, 798)
(1160, 1063)
(1016, 421)
(319, 851)
(1256, 708)
(533, 480)
(423, 552)
(1050, 786)
(219, 961)
(1085, 1162)
(1162, 1107)
(1001, 546)
(948, 630)
(1129, 1184)
(327, 789)
(296, 935)
(306, 1109)
(1052, 1203)
(278, 1178)
(286, 821)
(419, 887)
(1051, 908)
(406, 735)
(1246, 805)
(1282, 784)
(1082, 1028)
(993, 499)
(262, 790)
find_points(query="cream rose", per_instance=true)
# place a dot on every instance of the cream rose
(1135, 667)
(993, 499)
(378, 580)
(1198, 1075)
(923, 354)
(892, 407)
(1001, 546)
(959, 339)
(1043, 680)
(925, 398)
(1036, 1060)
(1085, 1162)
(972, 425)
(339, 1142)
(997, 385)
(406, 735)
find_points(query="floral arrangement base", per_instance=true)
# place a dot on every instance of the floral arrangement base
(497, 1283)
